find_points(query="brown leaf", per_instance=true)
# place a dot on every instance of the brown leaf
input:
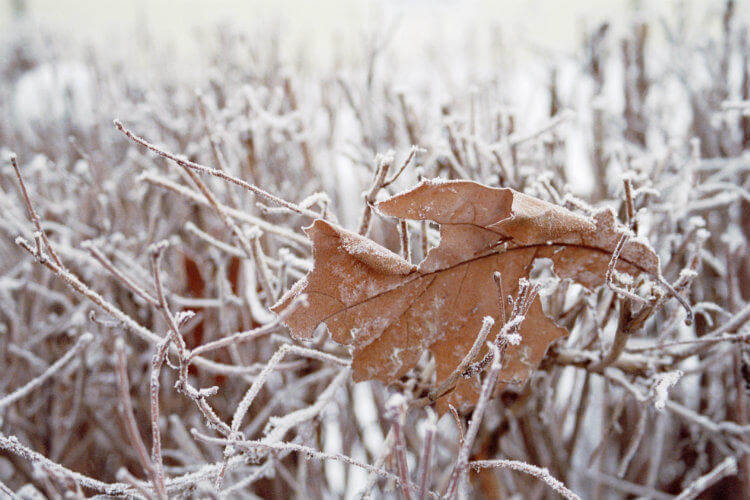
(391, 311)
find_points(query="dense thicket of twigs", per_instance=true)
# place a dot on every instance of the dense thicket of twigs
(125, 276)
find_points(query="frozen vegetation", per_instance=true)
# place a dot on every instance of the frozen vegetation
(151, 213)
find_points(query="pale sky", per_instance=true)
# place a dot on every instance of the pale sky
(545, 23)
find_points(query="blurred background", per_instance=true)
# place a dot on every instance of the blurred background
(327, 27)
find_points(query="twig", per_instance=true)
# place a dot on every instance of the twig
(32, 213)
(12, 445)
(109, 266)
(188, 193)
(413, 151)
(449, 382)
(727, 467)
(22, 392)
(397, 407)
(403, 232)
(156, 456)
(299, 301)
(640, 429)
(127, 411)
(7, 491)
(488, 386)
(309, 452)
(378, 180)
(217, 173)
(425, 461)
(529, 469)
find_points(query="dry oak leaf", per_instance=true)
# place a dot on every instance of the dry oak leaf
(391, 311)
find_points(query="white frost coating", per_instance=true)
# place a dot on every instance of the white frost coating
(660, 390)
(688, 274)
(437, 181)
(624, 278)
(396, 401)
(183, 316)
(254, 232)
(733, 238)
(641, 240)
(702, 235)
(513, 338)
(386, 158)
(257, 309)
(696, 221)
(375, 255)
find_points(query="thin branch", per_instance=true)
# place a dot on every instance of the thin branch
(384, 163)
(55, 367)
(251, 446)
(397, 407)
(727, 467)
(449, 382)
(156, 456)
(488, 386)
(129, 418)
(529, 469)
(32, 213)
(425, 462)
(12, 445)
(215, 172)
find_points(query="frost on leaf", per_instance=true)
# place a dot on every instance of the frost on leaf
(391, 311)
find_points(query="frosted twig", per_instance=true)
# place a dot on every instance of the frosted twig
(554, 122)
(403, 232)
(219, 158)
(622, 485)
(384, 163)
(252, 392)
(131, 426)
(250, 249)
(299, 301)
(130, 283)
(508, 335)
(93, 296)
(727, 467)
(448, 383)
(277, 427)
(684, 303)
(7, 491)
(459, 474)
(498, 279)
(611, 269)
(630, 204)
(397, 407)
(12, 445)
(211, 171)
(724, 427)
(55, 367)
(264, 275)
(425, 461)
(660, 389)
(308, 452)
(640, 429)
(257, 385)
(239, 215)
(413, 151)
(32, 213)
(157, 251)
(379, 462)
(156, 457)
(125, 476)
(529, 469)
